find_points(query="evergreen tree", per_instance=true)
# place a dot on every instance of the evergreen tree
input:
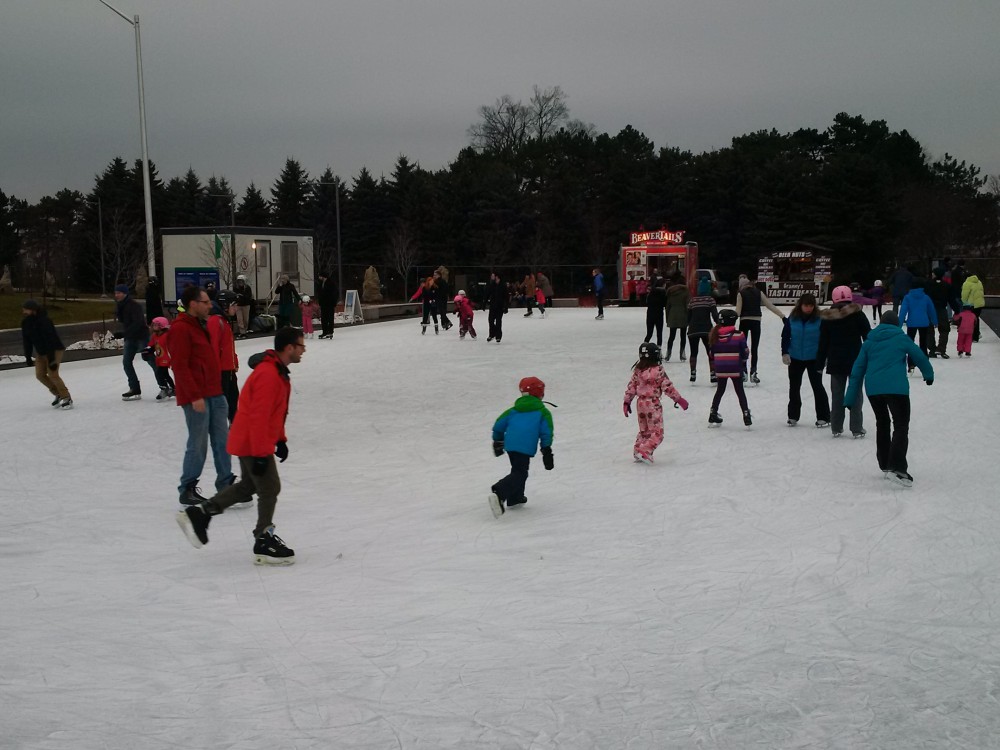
(290, 197)
(253, 210)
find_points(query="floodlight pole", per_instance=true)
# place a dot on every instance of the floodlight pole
(150, 249)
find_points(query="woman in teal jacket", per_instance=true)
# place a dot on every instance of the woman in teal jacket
(882, 365)
(799, 346)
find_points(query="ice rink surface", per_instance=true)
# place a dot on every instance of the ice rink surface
(752, 589)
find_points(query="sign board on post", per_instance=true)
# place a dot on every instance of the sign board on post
(196, 276)
(352, 307)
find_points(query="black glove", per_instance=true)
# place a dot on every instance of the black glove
(498, 447)
(281, 451)
(259, 467)
(929, 381)
(547, 460)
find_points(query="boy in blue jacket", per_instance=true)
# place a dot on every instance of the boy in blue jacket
(519, 431)
(882, 365)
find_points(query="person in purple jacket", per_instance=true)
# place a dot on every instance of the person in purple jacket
(727, 349)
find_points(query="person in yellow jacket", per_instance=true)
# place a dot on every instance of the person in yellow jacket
(972, 293)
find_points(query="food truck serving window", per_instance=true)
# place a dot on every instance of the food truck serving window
(794, 269)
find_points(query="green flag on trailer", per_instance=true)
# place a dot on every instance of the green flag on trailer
(218, 247)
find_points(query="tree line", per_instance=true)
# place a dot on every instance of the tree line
(537, 190)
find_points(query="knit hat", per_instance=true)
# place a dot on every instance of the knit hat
(30, 304)
(889, 317)
(123, 288)
(532, 386)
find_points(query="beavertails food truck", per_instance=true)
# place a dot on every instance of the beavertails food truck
(660, 253)
(793, 269)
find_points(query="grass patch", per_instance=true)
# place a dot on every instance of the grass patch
(60, 311)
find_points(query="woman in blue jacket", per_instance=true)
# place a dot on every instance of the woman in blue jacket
(882, 365)
(917, 313)
(799, 346)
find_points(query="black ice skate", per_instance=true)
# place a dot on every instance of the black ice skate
(194, 521)
(512, 503)
(694, 376)
(713, 378)
(436, 330)
(714, 420)
(270, 550)
(496, 505)
(754, 379)
(131, 395)
(163, 395)
(901, 478)
(56, 401)
(746, 418)
(191, 496)
(423, 328)
(66, 403)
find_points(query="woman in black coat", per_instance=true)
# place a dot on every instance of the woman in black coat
(843, 329)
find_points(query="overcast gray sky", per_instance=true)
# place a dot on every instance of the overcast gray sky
(234, 87)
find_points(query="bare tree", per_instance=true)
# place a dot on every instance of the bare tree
(123, 253)
(225, 262)
(401, 253)
(546, 111)
(502, 128)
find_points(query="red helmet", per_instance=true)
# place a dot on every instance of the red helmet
(532, 386)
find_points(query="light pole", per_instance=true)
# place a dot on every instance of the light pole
(340, 268)
(150, 250)
(100, 240)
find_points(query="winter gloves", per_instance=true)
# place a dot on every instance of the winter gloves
(786, 359)
(681, 402)
(547, 459)
(498, 448)
(929, 381)
(281, 451)
(627, 408)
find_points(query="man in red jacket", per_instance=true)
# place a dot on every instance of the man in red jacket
(198, 389)
(257, 437)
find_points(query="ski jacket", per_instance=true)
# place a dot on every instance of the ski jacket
(425, 294)
(972, 291)
(244, 294)
(259, 423)
(327, 295)
(223, 342)
(800, 338)
(129, 313)
(158, 343)
(966, 322)
(917, 310)
(702, 314)
(309, 309)
(940, 294)
(523, 426)
(599, 283)
(678, 297)
(194, 360)
(656, 303)
(463, 306)
(649, 383)
(496, 297)
(842, 331)
(39, 333)
(877, 293)
(900, 282)
(729, 353)
(539, 296)
(881, 363)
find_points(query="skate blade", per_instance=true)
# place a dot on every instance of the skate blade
(185, 523)
(714, 426)
(133, 398)
(273, 561)
(237, 506)
(495, 505)
(647, 461)
(901, 481)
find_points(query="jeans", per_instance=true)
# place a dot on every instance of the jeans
(212, 426)
(892, 430)
(838, 387)
(133, 347)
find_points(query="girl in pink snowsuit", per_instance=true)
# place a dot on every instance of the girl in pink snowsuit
(463, 307)
(649, 382)
(966, 322)
(308, 308)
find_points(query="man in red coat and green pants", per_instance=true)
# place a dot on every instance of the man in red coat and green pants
(257, 437)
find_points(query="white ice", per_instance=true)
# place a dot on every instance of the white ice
(752, 589)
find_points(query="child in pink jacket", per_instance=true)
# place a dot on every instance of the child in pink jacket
(649, 382)
(540, 300)
(463, 307)
(309, 311)
(966, 322)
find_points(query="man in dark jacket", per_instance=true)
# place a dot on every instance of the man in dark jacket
(940, 294)
(244, 301)
(496, 303)
(328, 296)
(134, 331)
(843, 329)
(900, 283)
(41, 337)
(198, 389)
(443, 298)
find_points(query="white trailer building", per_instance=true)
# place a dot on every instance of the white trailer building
(262, 254)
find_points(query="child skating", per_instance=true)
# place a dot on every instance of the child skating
(309, 311)
(463, 307)
(427, 295)
(727, 350)
(648, 383)
(519, 431)
(966, 322)
(157, 349)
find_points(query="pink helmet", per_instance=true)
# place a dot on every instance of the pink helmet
(161, 323)
(843, 294)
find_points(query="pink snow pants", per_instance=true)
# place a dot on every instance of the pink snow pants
(965, 343)
(650, 414)
(307, 323)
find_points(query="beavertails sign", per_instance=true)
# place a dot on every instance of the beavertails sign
(662, 252)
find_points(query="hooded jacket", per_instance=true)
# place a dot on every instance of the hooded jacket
(39, 334)
(129, 313)
(972, 291)
(729, 353)
(259, 423)
(523, 426)
(843, 329)
(678, 296)
(917, 310)
(882, 363)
